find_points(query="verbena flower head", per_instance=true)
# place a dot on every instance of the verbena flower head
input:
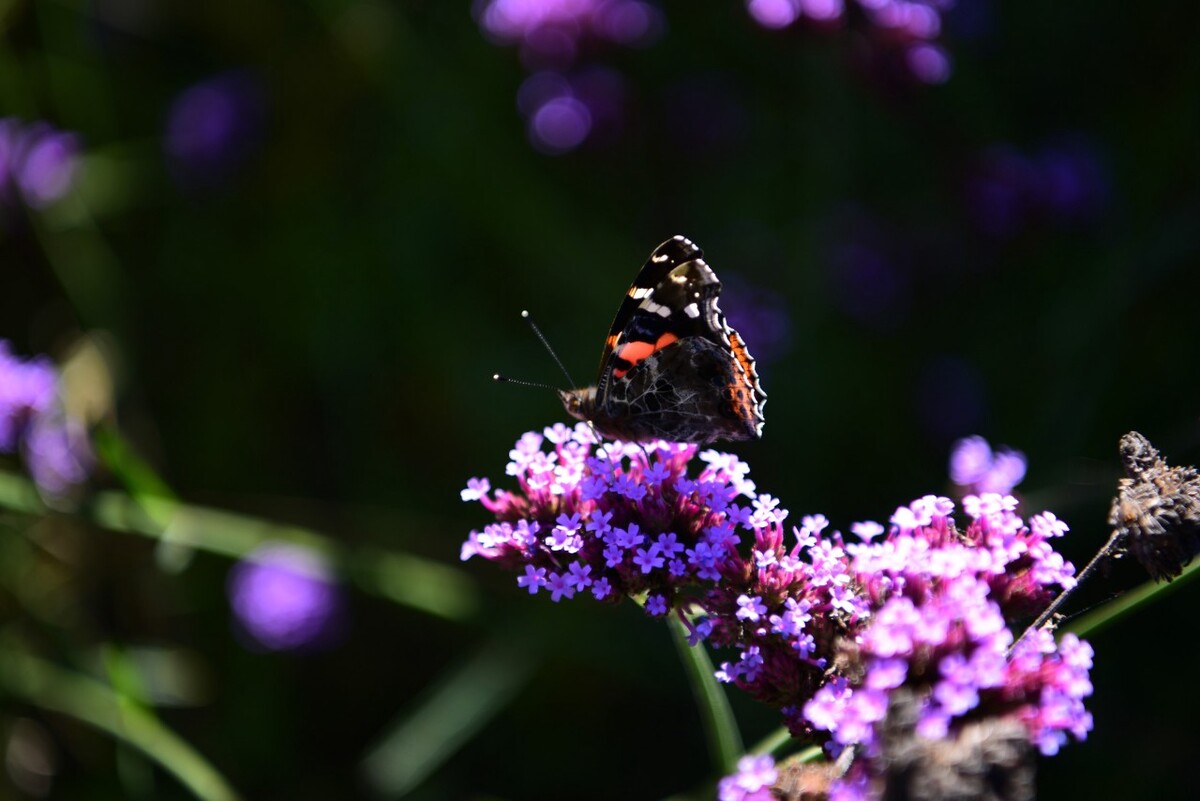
(54, 447)
(821, 627)
(38, 162)
(284, 596)
(942, 598)
(613, 519)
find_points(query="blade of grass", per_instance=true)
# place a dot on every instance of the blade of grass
(404, 579)
(56, 689)
(1127, 602)
(461, 704)
(720, 728)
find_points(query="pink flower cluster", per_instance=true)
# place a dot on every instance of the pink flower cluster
(822, 628)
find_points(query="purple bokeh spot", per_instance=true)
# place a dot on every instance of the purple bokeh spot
(549, 30)
(868, 285)
(914, 19)
(38, 162)
(773, 13)
(759, 315)
(977, 469)
(1066, 183)
(970, 460)
(539, 89)
(928, 63)
(560, 125)
(284, 596)
(57, 454)
(47, 166)
(54, 447)
(628, 22)
(213, 127)
(822, 10)
(1074, 185)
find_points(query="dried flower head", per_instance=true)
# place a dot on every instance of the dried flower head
(1157, 509)
(805, 781)
(986, 760)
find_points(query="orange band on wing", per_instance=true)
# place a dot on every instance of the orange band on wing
(634, 352)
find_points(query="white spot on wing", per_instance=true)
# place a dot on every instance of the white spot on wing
(655, 308)
(692, 310)
(640, 292)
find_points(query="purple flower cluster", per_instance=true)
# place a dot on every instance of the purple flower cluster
(614, 519)
(284, 596)
(977, 469)
(33, 423)
(38, 162)
(911, 25)
(823, 629)
(563, 104)
(752, 782)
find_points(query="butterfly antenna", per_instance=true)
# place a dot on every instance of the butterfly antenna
(506, 380)
(546, 343)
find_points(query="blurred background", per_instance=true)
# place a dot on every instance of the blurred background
(278, 248)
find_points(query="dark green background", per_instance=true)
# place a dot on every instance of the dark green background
(312, 338)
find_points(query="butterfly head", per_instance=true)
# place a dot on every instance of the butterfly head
(579, 403)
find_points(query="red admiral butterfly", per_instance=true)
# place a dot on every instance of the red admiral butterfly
(672, 368)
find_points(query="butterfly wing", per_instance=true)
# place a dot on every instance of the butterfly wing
(672, 368)
(674, 296)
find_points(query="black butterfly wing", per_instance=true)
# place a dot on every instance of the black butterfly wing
(673, 297)
(692, 391)
(672, 368)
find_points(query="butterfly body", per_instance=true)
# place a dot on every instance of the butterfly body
(672, 368)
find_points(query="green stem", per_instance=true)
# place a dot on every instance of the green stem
(52, 688)
(401, 578)
(1127, 602)
(724, 740)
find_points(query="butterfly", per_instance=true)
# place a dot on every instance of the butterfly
(672, 368)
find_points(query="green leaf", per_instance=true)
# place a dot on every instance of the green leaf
(56, 689)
